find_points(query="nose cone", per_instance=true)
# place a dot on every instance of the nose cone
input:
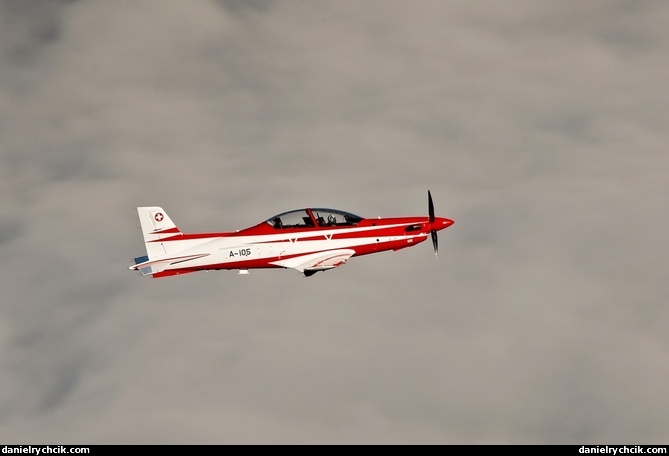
(441, 223)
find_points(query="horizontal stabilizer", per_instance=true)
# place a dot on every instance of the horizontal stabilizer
(159, 264)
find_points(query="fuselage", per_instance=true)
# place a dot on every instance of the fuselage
(270, 243)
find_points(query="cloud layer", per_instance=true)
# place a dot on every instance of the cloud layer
(539, 128)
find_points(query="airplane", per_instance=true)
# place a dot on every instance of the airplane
(307, 240)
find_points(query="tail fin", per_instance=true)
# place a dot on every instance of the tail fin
(158, 230)
(156, 226)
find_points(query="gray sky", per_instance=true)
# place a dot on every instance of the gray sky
(539, 127)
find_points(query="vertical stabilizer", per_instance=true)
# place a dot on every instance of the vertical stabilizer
(156, 226)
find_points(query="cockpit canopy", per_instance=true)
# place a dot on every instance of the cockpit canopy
(311, 217)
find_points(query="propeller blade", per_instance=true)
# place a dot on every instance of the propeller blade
(433, 233)
(430, 206)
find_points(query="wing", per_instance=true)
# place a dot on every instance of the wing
(313, 262)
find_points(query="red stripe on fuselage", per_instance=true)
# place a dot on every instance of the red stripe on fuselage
(366, 228)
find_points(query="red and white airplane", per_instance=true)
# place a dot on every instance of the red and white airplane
(307, 240)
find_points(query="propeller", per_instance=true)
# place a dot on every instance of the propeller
(433, 232)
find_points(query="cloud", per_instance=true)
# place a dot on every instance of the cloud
(537, 127)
